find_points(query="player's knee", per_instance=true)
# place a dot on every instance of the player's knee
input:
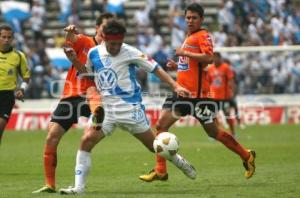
(53, 139)
(212, 135)
(160, 127)
(92, 137)
(211, 132)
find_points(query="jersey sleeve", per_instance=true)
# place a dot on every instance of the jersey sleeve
(143, 61)
(23, 65)
(81, 43)
(89, 65)
(205, 43)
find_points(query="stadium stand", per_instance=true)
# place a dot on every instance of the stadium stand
(249, 23)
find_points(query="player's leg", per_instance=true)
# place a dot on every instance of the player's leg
(83, 158)
(237, 116)
(6, 105)
(55, 133)
(95, 104)
(3, 123)
(147, 139)
(62, 119)
(228, 117)
(89, 139)
(231, 143)
(165, 121)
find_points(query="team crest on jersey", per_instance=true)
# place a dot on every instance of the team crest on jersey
(106, 79)
(183, 63)
(106, 61)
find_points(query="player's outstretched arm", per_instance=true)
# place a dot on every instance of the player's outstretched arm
(71, 55)
(164, 76)
(172, 65)
(21, 91)
(71, 33)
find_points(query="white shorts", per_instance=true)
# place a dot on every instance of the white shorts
(131, 118)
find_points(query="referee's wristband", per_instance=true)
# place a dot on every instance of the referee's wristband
(24, 86)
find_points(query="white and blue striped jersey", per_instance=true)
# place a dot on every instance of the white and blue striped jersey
(115, 76)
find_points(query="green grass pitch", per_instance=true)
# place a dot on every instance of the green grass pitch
(119, 159)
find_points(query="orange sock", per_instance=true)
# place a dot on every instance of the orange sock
(161, 163)
(229, 141)
(50, 162)
(93, 98)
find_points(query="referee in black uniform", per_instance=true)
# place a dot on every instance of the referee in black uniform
(12, 64)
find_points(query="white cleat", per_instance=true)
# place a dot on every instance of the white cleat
(185, 167)
(71, 191)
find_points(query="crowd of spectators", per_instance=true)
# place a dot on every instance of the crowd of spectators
(235, 23)
(261, 23)
(258, 22)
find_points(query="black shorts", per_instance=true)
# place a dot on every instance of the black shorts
(233, 103)
(7, 102)
(203, 109)
(69, 110)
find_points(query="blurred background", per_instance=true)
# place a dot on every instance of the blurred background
(157, 27)
(259, 38)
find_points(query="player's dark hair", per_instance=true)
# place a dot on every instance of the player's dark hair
(5, 27)
(106, 15)
(114, 27)
(195, 7)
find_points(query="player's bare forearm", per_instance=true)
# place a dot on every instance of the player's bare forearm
(71, 55)
(165, 77)
(71, 33)
(79, 66)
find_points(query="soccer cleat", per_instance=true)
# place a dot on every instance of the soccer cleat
(98, 117)
(186, 167)
(70, 191)
(249, 165)
(45, 189)
(153, 175)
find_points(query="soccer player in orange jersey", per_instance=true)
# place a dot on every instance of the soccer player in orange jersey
(194, 56)
(232, 93)
(221, 78)
(73, 102)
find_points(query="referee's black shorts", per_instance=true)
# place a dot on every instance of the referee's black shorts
(69, 110)
(7, 102)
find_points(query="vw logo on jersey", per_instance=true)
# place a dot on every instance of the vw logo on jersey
(106, 79)
(183, 63)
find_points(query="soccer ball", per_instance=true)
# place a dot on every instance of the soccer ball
(166, 144)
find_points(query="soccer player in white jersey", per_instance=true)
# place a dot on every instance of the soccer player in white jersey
(113, 64)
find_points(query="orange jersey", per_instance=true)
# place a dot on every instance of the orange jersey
(219, 78)
(75, 86)
(231, 89)
(191, 74)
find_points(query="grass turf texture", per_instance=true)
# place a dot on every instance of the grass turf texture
(118, 161)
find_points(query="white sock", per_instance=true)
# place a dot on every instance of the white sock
(83, 164)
